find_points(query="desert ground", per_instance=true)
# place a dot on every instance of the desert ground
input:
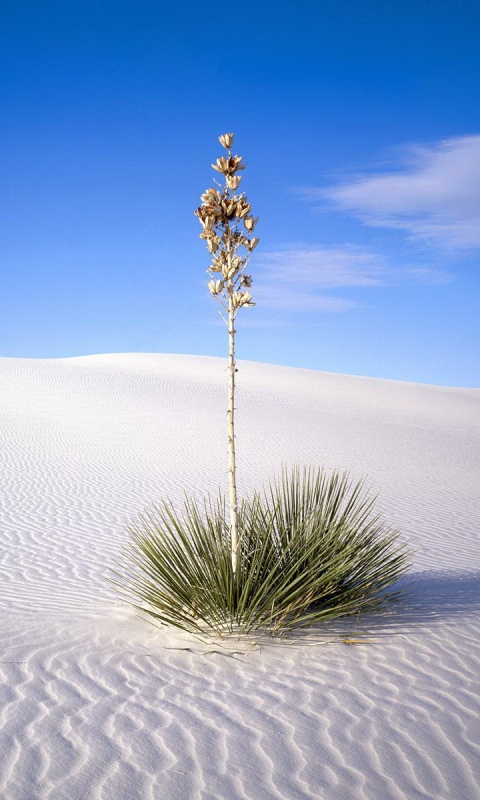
(99, 704)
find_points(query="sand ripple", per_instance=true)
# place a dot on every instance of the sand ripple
(98, 704)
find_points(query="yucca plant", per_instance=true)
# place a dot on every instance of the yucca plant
(311, 548)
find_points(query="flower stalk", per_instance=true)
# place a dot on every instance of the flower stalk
(226, 220)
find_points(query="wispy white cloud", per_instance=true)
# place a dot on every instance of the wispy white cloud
(433, 194)
(301, 278)
(323, 267)
(425, 275)
(298, 278)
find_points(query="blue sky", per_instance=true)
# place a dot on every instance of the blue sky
(360, 125)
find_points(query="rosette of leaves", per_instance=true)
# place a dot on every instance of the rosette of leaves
(312, 547)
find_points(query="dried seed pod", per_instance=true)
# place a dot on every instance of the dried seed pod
(242, 299)
(215, 287)
(207, 233)
(251, 244)
(212, 244)
(226, 139)
(250, 222)
(228, 166)
(233, 181)
(243, 207)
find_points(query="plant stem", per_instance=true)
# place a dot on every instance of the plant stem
(231, 434)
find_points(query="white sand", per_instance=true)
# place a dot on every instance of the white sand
(98, 704)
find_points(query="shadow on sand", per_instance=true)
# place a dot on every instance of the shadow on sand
(445, 594)
(431, 598)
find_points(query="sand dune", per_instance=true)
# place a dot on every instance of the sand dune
(97, 704)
